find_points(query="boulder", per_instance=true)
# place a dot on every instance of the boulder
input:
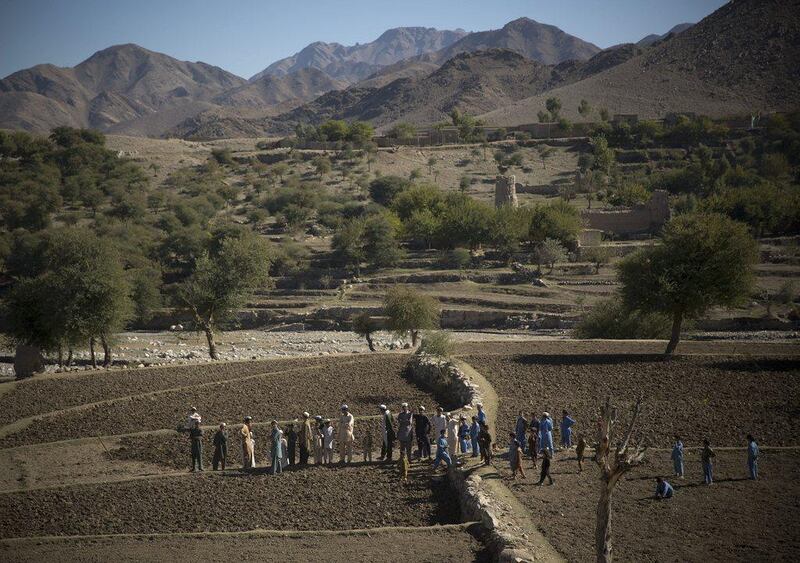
(28, 360)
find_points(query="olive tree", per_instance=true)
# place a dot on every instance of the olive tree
(365, 325)
(222, 281)
(410, 311)
(80, 293)
(705, 260)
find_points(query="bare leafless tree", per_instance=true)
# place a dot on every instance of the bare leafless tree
(614, 463)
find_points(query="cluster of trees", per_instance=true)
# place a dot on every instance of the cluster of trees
(356, 133)
(754, 178)
(426, 217)
(91, 248)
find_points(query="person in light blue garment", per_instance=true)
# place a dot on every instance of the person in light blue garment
(752, 457)
(474, 430)
(677, 457)
(463, 435)
(481, 414)
(567, 422)
(663, 489)
(546, 433)
(520, 429)
(441, 451)
(277, 448)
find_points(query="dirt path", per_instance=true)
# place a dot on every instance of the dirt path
(511, 509)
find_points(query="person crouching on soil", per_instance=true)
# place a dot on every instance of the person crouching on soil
(441, 451)
(515, 456)
(277, 448)
(533, 444)
(485, 440)
(663, 489)
(196, 439)
(327, 443)
(220, 448)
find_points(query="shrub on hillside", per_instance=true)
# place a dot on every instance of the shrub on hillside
(611, 319)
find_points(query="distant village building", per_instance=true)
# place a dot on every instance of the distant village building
(646, 218)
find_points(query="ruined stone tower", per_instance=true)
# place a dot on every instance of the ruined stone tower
(505, 191)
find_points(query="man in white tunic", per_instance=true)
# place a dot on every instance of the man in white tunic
(346, 437)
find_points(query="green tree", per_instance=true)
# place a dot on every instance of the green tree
(146, 293)
(360, 133)
(602, 156)
(431, 163)
(82, 290)
(705, 260)
(597, 256)
(584, 109)
(558, 220)
(553, 105)
(222, 281)
(322, 165)
(334, 130)
(402, 132)
(381, 246)
(550, 251)
(410, 311)
(383, 190)
(347, 243)
(365, 325)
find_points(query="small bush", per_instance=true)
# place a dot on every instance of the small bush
(437, 343)
(611, 319)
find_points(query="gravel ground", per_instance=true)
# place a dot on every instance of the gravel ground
(311, 499)
(363, 383)
(722, 397)
(734, 520)
(430, 545)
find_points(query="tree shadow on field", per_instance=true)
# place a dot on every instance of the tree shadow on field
(588, 359)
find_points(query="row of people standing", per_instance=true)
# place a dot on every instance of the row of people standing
(316, 437)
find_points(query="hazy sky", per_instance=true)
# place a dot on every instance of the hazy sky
(244, 36)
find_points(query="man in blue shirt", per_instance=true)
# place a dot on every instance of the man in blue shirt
(441, 451)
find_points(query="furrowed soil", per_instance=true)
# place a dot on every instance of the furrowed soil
(362, 383)
(735, 519)
(316, 498)
(428, 545)
(695, 396)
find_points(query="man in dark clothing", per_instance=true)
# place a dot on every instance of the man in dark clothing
(291, 442)
(422, 430)
(387, 429)
(546, 457)
(220, 448)
(196, 437)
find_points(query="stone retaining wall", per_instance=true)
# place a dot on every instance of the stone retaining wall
(500, 534)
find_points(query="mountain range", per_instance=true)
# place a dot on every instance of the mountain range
(741, 58)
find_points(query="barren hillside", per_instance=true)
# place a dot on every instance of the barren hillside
(741, 58)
